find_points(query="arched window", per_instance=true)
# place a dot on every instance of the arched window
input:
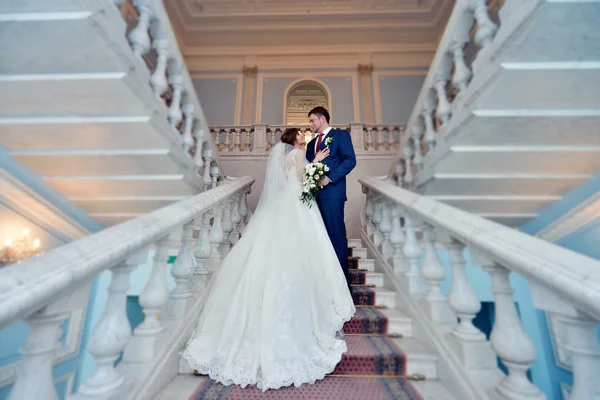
(303, 96)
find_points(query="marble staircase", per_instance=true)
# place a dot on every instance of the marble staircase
(421, 359)
(506, 122)
(103, 112)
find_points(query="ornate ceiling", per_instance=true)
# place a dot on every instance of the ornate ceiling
(283, 34)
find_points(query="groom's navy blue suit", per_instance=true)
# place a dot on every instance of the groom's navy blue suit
(332, 198)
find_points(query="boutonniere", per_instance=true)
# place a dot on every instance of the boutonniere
(328, 141)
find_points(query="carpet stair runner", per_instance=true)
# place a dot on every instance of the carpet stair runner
(374, 368)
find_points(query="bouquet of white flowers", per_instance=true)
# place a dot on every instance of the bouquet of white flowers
(313, 174)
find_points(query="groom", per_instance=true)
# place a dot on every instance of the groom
(332, 197)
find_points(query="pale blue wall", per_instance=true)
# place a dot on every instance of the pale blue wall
(13, 337)
(342, 97)
(398, 94)
(218, 98)
(585, 240)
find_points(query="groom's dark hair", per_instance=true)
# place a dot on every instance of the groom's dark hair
(319, 112)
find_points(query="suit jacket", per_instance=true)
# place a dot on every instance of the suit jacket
(341, 161)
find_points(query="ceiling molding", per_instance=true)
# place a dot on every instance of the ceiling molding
(573, 220)
(194, 9)
(309, 50)
(26, 202)
(303, 62)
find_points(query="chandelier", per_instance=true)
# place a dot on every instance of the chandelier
(17, 250)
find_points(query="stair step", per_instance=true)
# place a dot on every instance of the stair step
(355, 243)
(367, 278)
(377, 296)
(398, 322)
(419, 359)
(360, 252)
(432, 390)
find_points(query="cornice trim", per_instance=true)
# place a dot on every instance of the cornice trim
(26, 202)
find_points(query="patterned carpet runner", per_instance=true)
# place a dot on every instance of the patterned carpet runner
(371, 369)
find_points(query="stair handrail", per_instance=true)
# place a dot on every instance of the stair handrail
(186, 116)
(469, 24)
(34, 283)
(574, 276)
(43, 291)
(404, 232)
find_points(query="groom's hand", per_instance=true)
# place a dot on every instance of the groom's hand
(324, 182)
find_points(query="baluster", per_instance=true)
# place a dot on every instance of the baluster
(463, 298)
(582, 344)
(412, 251)
(434, 272)
(216, 134)
(227, 146)
(443, 110)
(187, 140)
(271, 138)
(158, 79)
(486, 29)
(236, 140)
(377, 237)
(139, 39)
(244, 139)
(380, 138)
(430, 134)
(416, 134)
(510, 341)
(234, 236)
(249, 139)
(408, 175)
(110, 337)
(397, 239)
(363, 214)
(202, 252)
(215, 237)
(400, 170)
(369, 211)
(243, 212)
(176, 81)
(462, 73)
(369, 139)
(199, 136)
(34, 380)
(155, 292)
(227, 226)
(207, 155)
(385, 227)
(182, 269)
(391, 140)
(214, 176)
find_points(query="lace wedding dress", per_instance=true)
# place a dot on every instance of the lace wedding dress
(278, 299)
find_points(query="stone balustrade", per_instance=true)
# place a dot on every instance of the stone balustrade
(469, 33)
(153, 41)
(43, 291)
(260, 138)
(401, 227)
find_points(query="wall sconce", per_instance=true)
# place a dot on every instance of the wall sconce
(15, 251)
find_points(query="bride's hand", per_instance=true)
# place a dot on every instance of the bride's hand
(322, 155)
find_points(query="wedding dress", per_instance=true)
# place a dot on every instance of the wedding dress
(274, 306)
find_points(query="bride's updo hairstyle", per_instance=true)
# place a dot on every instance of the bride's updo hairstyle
(289, 136)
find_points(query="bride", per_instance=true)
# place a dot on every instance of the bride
(274, 306)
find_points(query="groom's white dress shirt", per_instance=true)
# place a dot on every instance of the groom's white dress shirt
(325, 132)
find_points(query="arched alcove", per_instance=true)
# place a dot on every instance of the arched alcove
(301, 96)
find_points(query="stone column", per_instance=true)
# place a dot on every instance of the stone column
(366, 87)
(249, 88)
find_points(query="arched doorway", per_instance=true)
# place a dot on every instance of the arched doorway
(301, 97)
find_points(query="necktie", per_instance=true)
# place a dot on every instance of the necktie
(319, 143)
